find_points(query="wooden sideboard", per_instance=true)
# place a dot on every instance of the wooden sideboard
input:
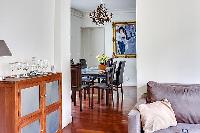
(31, 105)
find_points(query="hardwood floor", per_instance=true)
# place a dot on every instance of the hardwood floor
(103, 119)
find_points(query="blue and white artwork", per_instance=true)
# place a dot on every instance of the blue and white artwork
(124, 39)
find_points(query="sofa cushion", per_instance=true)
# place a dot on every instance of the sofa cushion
(192, 128)
(157, 115)
(185, 99)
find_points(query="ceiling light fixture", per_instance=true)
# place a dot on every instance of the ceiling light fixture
(101, 15)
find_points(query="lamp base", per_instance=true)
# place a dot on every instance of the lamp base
(2, 78)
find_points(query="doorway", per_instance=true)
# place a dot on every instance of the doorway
(92, 44)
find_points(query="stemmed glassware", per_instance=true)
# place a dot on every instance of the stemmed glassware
(12, 68)
(45, 66)
(26, 69)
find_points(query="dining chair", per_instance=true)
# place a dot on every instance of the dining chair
(109, 63)
(107, 86)
(76, 84)
(83, 63)
(72, 61)
(118, 81)
(114, 65)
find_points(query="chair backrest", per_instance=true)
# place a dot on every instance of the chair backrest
(109, 76)
(72, 61)
(76, 79)
(120, 72)
(83, 63)
(114, 66)
(109, 63)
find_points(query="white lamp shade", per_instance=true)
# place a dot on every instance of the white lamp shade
(4, 50)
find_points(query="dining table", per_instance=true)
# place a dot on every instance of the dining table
(94, 73)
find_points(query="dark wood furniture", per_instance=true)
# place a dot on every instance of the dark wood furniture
(76, 84)
(117, 83)
(94, 73)
(83, 63)
(31, 105)
(107, 85)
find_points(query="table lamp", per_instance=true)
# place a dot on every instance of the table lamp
(4, 51)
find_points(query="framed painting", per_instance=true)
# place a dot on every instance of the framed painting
(124, 39)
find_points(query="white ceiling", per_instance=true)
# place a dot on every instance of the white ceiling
(88, 5)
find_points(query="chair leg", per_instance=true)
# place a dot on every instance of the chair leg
(74, 97)
(122, 91)
(117, 92)
(112, 93)
(92, 98)
(98, 96)
(84, 94)
(80, 97)
(107, 97)
(88, 91)
(102, 93)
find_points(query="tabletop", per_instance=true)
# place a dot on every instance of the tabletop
(92, 71)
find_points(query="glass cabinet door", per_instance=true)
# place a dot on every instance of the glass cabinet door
(31, 128)
(52, 122)
(52, 92)
(29, 100)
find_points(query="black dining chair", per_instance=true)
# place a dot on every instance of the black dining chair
(118, 81)
(72, 61)
(114, 65)
(109, 63)
(76, 84)
(107, 86)
(83, 63)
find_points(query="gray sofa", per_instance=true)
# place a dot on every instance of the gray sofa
(185, 101)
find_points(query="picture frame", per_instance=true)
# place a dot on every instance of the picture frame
(124, 39)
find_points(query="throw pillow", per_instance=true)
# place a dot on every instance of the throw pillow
(157, 115)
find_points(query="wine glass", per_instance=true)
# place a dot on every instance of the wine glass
(18, 68)
(25, 67)
(39, 66)
(12, 68)
(45, 66)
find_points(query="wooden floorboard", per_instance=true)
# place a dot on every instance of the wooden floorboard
(103, 119)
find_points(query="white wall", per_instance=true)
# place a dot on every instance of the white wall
(76, 24)
(62, 55)
(92, 44)
(27, 26)
(38, 28)
(168, 41)
(119, 16)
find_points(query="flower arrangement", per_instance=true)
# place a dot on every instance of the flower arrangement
(102, 58)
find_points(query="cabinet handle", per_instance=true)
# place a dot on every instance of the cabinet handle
(44, 96)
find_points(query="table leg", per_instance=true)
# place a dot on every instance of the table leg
(92, 98)
(107, 96)
(98, 96)
(89, 96)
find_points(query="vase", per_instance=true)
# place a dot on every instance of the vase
(102, 67)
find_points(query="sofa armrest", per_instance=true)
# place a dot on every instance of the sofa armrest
(134, 122)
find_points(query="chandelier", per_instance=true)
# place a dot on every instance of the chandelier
(101, 15)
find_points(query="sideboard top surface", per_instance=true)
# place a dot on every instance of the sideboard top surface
(34, 79)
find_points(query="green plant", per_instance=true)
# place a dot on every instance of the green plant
(102, 58)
